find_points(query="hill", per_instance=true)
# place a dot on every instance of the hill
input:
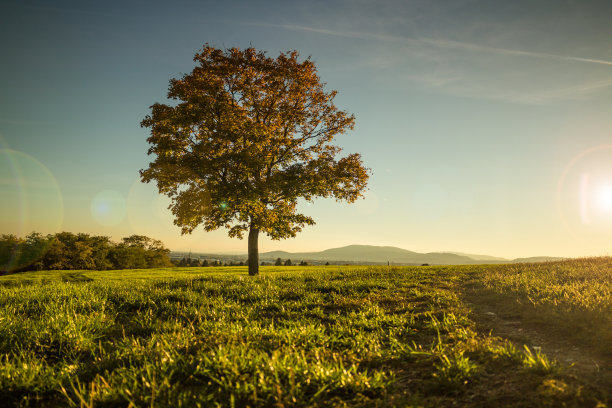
(538, 259)
(371, 254)
(383, 254)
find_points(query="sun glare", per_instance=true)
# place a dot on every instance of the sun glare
(603, 198)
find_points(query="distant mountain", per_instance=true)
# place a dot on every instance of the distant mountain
(537, 259)
(482, 257)
(370, 254)
(376, 254)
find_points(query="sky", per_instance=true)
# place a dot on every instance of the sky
(487, 125)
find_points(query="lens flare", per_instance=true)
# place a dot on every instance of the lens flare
(603, 198)
(31, 197)
(584, 198)
(584, 195)
(108, 208)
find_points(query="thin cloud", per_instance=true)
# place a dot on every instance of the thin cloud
(468, 87)
(492, 81)
(578, 90)
(437, 43)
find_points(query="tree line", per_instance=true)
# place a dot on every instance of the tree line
(69, 251)
(279, 262)
(196, 262)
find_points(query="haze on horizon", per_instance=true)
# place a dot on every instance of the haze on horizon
(487, 125)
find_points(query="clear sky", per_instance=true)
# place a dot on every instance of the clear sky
(487, 124)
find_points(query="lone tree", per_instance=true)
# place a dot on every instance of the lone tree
(248, 136)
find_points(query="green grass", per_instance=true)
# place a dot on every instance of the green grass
(573, 298)
(294, 336)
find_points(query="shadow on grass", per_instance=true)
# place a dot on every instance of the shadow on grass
(571, 336)
(75, 277)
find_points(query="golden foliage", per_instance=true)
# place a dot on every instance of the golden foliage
(248, 136)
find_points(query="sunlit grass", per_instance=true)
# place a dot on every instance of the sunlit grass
(574, 297)
(294, 336)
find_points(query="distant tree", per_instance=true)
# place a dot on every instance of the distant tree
(205, 262)
(65, 251)
(82, 255)
(278, 262)
(77, 251)
(124, 257)
(72, 251)
(55, 256)
(101, 247)
(9, 244)
(288, 262)
(326, 263)
(249, 136)
(148, 252)
(303, 263)
(23, 254)
(33, 251)
(194, 262)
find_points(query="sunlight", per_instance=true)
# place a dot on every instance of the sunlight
(603, 198)
(584, 195)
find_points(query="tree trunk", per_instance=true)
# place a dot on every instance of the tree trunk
(253, 251)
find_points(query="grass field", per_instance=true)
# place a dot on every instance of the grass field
(298, 336)
(573, 298)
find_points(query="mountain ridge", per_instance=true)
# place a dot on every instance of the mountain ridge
(373, 254)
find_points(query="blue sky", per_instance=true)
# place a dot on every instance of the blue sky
(486, 124)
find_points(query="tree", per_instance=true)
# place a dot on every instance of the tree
(148, 252)
(101, 246)
(247, 137)
(288, 262)
(278, 262)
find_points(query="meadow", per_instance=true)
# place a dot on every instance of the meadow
(346, 336)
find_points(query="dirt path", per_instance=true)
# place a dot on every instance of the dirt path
(512, 323)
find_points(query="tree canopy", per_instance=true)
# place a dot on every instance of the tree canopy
(248, 136)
